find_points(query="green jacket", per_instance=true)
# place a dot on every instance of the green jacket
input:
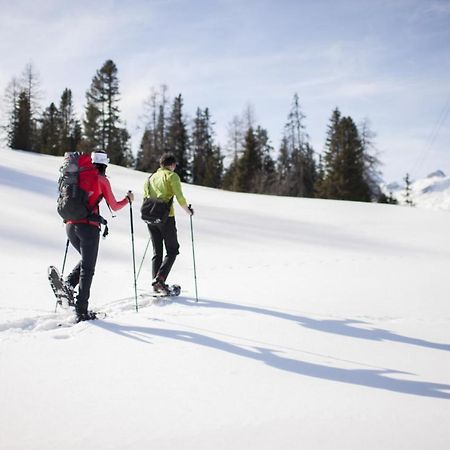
(165, 184)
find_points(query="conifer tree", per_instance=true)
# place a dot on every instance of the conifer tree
(214, 168)
(11, 102)
(178, 139)
(69, 127)
(283, 168)
(310, 173)
(30, 83)
(207, 163)
(153, 142)
(372, 174)
(344, 164)
(233, 150)
(296, 164)
(22, 107)
(353, 183)
(408, 191)
(102, 123)
(320, 177)
(91, 128)
(253, 169)
(388, 199)
(49, 131)
(236, 136)
(249, 165)
(266, 177)
(162, 121)
(23, 135)
(201, 146)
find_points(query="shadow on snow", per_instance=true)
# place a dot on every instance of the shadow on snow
(341, 327)
(374, 378)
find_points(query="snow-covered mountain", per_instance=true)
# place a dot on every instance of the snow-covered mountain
(320, 325)
(432, 192)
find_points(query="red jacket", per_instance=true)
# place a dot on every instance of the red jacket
(103, 190)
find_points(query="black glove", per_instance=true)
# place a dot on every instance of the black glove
(130, 196)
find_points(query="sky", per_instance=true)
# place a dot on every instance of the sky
(387, 61)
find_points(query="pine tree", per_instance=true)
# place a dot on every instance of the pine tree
(249, 165)
(388, 199)
(22, 108)
(228, 175)
(252, 168)
(236, 136)
(178, 139)
(23, 135)
(233, 150)
(11, 102)
(91, 133)
(69, 127)
(310, 174)
(325, 186)
(266, 177)
(30, 83)
(283, 168)
(344, 164)
(162, 121)
(153, 142)
(120, 146)
(207, 164)
(201, 146)
(353, 184)
(296, 164)
(102, 123)
(148, 156)
(372, 174)
(320, 177)
(408, 191)
(49, 131)
(214, 168)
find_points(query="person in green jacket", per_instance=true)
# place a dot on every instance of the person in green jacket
(165, 184)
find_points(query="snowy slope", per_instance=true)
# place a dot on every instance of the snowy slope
(320, 325)
(432, 192)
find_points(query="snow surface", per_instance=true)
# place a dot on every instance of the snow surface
(320, 325)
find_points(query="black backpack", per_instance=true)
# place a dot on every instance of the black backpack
(155, 211)
(78, 178)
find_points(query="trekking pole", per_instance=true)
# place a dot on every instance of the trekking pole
(142, 262)
(193, 257)
(132, 246)
(62, 271)
(65, 256)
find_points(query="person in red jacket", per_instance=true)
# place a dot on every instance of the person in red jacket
(84, 235)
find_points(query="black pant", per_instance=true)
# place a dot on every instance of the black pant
(85, 238)
(167, 234)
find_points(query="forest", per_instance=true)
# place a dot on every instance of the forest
(348, 168)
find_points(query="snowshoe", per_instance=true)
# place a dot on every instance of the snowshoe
(173, 290)
(64, 294)
(82, 317)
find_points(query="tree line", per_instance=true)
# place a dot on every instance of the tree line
(348, 168)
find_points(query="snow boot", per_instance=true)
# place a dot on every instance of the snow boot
(83, 316)
(160, 287)
(70, 291)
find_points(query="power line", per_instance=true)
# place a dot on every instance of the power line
(433, 136)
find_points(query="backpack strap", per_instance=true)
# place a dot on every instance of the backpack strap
(169, 204)
(93, 217)
(99, 219)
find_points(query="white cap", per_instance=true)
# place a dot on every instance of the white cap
(100, 158)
